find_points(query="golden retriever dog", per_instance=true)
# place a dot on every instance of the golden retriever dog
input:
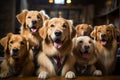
(56, 58)
(106, 43)
(31, 22)
(83, 30)
(18, 58)
(86, 57)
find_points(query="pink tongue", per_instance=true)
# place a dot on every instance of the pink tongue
(85, 55)
(57, 45)
(33, 30)
(103, 42)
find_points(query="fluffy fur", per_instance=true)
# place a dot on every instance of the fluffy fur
(57, 35)
(83, 30)
(105, 37)
(31, 22)
(85, 54)
(18, 58)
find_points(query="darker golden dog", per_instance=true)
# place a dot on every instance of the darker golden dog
(83, 30)
(105, 37)
(18, 58)
(56, 58)
(85, 54)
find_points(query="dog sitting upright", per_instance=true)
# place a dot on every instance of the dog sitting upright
(31, 22)
(83, 30)
(86, 57)
(18, 57)
(56, 59)
(106, 43)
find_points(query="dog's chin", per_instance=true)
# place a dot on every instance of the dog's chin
(58, 43)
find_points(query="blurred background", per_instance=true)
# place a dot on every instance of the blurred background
(94, 12)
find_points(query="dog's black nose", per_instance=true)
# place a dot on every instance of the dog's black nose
(34, 22)
(103, 35)
(58, 33)
(15, 51)
(85, 33)
(86, 47)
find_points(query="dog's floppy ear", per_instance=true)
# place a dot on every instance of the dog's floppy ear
(72, 29)
(5, 39)
(115, 32)
(91, 28)
(93, 34)
(21, 16)
(43, 30)
(44, 15)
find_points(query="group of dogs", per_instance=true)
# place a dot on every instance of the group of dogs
(54, 47)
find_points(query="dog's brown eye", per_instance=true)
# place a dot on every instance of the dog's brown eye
(99, 30)
(64, 25)
(29, 17)
(22, 43)
(108, 30)
(11, 42)
(52, 25)
(90, 42)
(80, 41)
(38, 17)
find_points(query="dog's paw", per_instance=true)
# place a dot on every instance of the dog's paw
(4, 74)
(43, 75)
(70, 75)
(97, 73)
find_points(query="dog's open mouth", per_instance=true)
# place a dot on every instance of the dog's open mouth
(85, 55)
(58, 43)
(33, 29)
(103, 42)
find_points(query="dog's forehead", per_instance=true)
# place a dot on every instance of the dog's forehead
(17, 38)
(32, 13)
(58, 21)
(84, 38)
(85, 26)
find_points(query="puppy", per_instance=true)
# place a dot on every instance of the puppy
(83, 30)
(31, 22)
(85, 54)
(56, 58)
(18, 58)
(106, 43)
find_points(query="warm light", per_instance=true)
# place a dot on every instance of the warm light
(59, 1)
(68, 1)
(50, 1)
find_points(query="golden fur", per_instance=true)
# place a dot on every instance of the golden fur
(57, 35)
(18, 58)
(85, 54)
(83, 30)
(31, 22)
(105, 37)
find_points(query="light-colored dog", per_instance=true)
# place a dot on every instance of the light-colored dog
(105, 37)
(86, 57)
(56, 58)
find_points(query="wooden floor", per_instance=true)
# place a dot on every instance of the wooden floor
(78, 78)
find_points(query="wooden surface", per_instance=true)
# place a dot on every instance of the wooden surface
(78, 78)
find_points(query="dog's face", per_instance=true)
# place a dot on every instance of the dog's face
(83, 47)
(58, 31)
(83, 29)
(32, 20)
(103, 33)
(15, 46)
